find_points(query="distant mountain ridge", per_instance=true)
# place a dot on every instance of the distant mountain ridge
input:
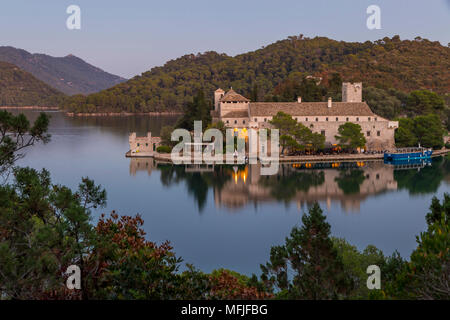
(69, 74)
(19, 88)
(405, 65)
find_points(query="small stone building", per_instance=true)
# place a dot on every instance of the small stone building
(240, 113)
(143, 146)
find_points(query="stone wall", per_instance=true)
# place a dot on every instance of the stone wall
(144, 145)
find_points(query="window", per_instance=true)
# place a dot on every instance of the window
(368, 133)
(243, 121)
(357, 119)
(326, 118)
(322, 132)
(368, 119)
(378, 133)
(235, 121)
(228, 121)
(146, 144)
(375, 119)
(317, 119)
(311, 126)
(346, 119)
(265, 119)
(337, 119)
(377, 176)
(138, 144)
(256, 119)
(306, 119)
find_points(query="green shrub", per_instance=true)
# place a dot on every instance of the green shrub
(164, 149)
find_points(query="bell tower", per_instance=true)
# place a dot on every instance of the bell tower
(218, 94)
(352, 92)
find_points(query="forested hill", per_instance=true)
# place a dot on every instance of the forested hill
(68, 74)
(388, 63)
(20, 88)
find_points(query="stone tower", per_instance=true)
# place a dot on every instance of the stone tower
(218, 94)
(352, 92)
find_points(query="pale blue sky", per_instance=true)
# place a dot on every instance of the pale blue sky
(129, 37)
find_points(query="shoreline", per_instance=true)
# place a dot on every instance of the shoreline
(94, 114)
(324, 158)
(29, 108)
(123, 114)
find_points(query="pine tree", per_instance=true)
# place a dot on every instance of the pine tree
(318, 271)
(197, 110)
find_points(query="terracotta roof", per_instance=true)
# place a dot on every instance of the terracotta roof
(233, 96)
(236, 114)
(310, 109)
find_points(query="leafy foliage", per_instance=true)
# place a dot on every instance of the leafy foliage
(356, 263)
(386, 63)
(350, 136)
(427, 275)
(44, 228)
(309, 255)
(426, 130)
(20, 88)
(294, 135)
(16, 134)
(197, 110)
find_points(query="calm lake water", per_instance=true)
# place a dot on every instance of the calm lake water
(230, 217)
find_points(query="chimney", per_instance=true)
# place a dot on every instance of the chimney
(299, 99)
(329, 102)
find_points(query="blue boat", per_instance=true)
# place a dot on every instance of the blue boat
(408, 154)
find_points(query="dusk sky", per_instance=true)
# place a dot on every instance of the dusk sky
(129, 37)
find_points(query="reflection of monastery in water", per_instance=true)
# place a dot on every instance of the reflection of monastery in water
(345, 183)
(347, 186)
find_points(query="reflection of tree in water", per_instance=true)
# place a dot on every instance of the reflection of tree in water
(197, 183)
(286, 183)
(350, 180)
(424, 180)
